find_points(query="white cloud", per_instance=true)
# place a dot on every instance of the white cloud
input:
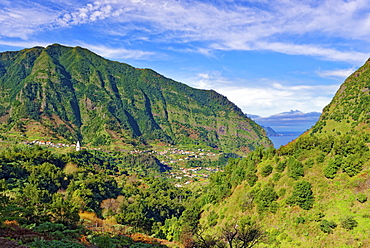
(234, 26)
(22, 44)
(268, 97)
(266, 101)
(284, 26)
(21, 22)
(117, 53)
(210, 80)
(341, 73)
(314, 50)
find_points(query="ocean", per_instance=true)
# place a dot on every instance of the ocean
(285, 138)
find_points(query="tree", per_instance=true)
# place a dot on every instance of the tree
(233, 235)
(302, 195)
(295, 168)
(62, 211)
(265, 198)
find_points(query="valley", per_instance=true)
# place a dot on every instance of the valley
(166, 165)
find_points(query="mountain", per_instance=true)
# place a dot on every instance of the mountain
(349, 109)
(293, 120)
(269, 131)
(69, 94)
(313, 192)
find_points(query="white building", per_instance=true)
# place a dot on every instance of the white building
(78, 146)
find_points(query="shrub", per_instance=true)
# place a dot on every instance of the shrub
(103, 241)
(265, 198)
(310, 162)
(295, 168)
(327, 226)
(318, 216)
(349, 223)
(330, 171)
(276, 177)
(361, 198)
(54, 243)
(212, 218)
(300, 220)
(352, 165)
(281, 192)
(251, 178)
(266, 170)
(320, 159)
(280, 167)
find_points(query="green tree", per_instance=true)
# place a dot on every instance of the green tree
(302, 195)
(265, 199)
(295, 168)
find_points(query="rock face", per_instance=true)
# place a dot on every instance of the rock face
(73, 94)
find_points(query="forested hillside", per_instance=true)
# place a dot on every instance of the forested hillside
(312, 192)
(67, 94)
(86, 198)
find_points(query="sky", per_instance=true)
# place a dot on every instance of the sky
(265, 56)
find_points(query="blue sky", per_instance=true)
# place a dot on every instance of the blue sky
(266, 56)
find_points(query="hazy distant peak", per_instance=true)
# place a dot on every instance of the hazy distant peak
(288, 121)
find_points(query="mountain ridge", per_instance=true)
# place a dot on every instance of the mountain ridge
(74, 94)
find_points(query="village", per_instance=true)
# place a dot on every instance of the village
(177, 159)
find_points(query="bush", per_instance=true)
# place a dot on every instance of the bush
(56, 230)
(280, 167)
(266, 170)
(310, 162)
(103, 241)
(54, 243)
(251, 178)
(265, 199)
(330, 170)
(300, 220)
(295, 168)
(320, 159)
(349, 223)
(212, 218)
(361, 198)
(327, 226)
(352, 165)
(276, 177)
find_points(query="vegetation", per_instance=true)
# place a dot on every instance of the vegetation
(312, 192)
(46, 198)
(73, 94)
(316, 186)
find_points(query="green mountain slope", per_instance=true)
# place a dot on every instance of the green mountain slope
(311, 193)
(68, 93)
(349, 109)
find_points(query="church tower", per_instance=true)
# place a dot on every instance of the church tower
(78, 146)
